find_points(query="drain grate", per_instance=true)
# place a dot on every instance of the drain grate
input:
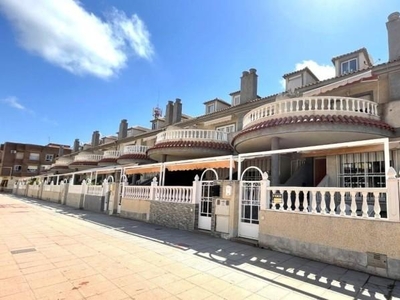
(23, 251)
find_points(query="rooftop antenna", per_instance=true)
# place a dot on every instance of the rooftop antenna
(157, 112)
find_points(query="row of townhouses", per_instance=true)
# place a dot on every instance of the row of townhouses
(310, 171)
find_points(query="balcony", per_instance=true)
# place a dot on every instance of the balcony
(61, 165)
(306, 121)
(189, 143)
(134, 154)
(110, 158)
(85, 161)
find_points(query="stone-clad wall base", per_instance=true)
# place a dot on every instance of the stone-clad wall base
(74, 200)
(173, 215)
(93, 203)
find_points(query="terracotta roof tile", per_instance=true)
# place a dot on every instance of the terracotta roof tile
(84, 163)
(354, 120)
(134, 156)
(193, 144)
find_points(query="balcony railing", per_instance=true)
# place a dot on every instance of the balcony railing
(88, 157)
(135, 149)
(112, 154)
(312, 105)
(192, 134)
(61, 162)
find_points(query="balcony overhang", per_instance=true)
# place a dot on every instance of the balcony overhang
(177, 150)
(302, 131)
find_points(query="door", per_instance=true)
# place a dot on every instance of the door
(250, 192)
(319, 170)
(205, 207)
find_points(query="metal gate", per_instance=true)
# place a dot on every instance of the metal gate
(250, 192)
(205, 208)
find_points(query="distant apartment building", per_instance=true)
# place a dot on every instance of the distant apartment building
(24, 160)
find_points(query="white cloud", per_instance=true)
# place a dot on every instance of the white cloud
(65, 34)
(321, 71)
(13, 102)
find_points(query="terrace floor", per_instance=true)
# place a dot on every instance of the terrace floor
(49, 251)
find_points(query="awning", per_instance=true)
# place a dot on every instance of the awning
(200, 165)
(152, 169)
(107, 171)
(340, 151)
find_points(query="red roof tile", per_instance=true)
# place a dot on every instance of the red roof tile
(354, 120)
(134, 156)
(193, 144)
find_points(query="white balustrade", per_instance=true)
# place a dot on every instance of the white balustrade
(350, 202)
(88, 157)
(192, 134)
(177, 194)
(75, 189)
(61, 162)
(323, 105)
(135, 149)
(111, 154)
(137, 192)
(95, 190)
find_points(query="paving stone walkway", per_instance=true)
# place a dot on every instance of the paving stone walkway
(49, 251)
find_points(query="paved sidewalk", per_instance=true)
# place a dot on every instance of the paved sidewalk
(49, 251)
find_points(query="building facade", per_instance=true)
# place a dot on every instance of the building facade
(19, 160)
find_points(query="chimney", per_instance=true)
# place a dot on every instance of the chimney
(61, 151)
(76, 145)
(177, 115)
(95, 138)
(393, 28)
(248, 86)
(123, 129)
(169, 113)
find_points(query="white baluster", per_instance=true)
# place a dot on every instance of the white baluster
(353, 204)
(377, 207)
(313, 200)
(364, 205)
(323, 203)
(342, 204)
(297, 201)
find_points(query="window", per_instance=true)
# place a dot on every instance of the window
(362, 170)
(34, 156)
(210, 108)
(32, 169)
(349, 66)
(17, 168)
(236, 100)
(49, 157)
(227, 128)
(19, 155)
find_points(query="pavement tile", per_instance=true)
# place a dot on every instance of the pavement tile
(90, 288)
(235, 293)
(138, 287)
(164, 279)
(275, 291)
(194, 294)
(116, 294)
(27, 295)
(39, 268)
(128, 279)
(9, 271)
(63, 290)
(179, 286)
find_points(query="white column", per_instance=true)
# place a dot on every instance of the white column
(392, 184)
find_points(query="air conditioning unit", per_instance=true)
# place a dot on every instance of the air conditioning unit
(13, 151)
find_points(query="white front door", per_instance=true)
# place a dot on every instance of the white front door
(205, 208)
(249, 207)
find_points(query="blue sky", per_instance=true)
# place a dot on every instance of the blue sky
(70, 68)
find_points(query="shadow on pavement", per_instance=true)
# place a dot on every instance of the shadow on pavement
(264, 264)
